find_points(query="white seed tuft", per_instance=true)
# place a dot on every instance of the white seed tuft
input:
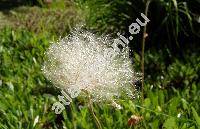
(90, 63)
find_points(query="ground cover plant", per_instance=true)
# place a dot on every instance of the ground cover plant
(171, 59)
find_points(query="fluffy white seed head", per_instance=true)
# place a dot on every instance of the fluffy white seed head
(89, 63)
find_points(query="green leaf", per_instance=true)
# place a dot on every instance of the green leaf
(193, 127)
(196, 116)
(184, 103)
(170, 123)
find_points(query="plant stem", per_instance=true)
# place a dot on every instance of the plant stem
(93, 114)
(143, 47)
(74, 125)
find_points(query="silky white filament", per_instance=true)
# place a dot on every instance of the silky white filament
(89, 63)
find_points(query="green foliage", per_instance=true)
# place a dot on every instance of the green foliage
(56, 19)
(22, 57)
(177, 19)
(105, 16)
(172, 72)
(172, 87)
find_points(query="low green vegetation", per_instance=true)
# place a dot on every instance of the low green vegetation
(172, 70)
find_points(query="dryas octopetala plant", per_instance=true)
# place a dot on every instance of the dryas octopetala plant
(90, 64)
